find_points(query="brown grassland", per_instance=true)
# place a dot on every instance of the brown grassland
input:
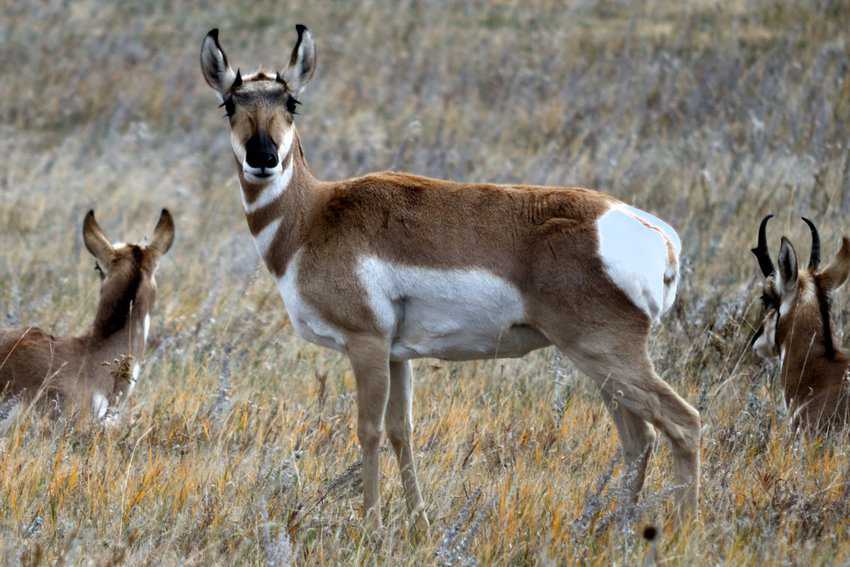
(239, 445)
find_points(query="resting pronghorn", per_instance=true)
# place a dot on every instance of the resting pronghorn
(390, 266)
(797, 328)
(95, 371)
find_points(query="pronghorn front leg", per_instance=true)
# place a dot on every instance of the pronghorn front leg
(399, 430)
(369, 357)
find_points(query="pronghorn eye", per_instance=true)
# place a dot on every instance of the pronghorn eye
(291, 103)
(229, 107)
(99, 270)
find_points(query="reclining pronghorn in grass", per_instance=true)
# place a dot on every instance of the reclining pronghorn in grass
(95, 371)
(797, 328)
(390, 266)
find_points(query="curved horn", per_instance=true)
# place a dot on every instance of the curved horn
(761, 252)
(814, 258)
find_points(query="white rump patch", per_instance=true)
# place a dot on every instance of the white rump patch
(306, 320)
(453, 314)
(146, 327)
(641, 256)
(264, 239)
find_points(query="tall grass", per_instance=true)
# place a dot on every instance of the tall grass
(239, 445)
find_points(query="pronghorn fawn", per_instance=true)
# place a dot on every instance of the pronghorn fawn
(797, 328)
(391, 266)
(92, 373)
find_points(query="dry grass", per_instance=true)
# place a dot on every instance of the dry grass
(240, 446)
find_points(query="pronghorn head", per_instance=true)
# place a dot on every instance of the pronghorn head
(126, 271)
(260, 106)
(796, 300)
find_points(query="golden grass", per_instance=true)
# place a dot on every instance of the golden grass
(239, 445)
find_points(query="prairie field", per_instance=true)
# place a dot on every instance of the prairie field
(239, 445)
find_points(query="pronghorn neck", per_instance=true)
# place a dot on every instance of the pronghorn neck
(807, 367)
(277, 211)
(121, 324)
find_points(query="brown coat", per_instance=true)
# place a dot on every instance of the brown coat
(97, 369)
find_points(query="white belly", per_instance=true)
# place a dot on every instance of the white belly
(449, 314)
(306, 319)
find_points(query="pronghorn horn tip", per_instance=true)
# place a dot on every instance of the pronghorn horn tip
(761, 251)
(814, 257)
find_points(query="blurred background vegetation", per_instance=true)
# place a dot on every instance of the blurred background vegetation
(240, 445)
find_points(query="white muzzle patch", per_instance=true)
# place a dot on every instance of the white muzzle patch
(765, 345)
(264, 175)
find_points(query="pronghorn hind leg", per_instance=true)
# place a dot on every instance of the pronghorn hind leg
(399, 422)
(637, 438)
(623, 370)
(369, 357)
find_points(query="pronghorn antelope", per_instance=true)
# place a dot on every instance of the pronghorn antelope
(391, 266)
(92, 373)
(796, 327)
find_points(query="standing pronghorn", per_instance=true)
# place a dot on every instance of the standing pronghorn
(797, 327)
(95, 371)
(390, 266)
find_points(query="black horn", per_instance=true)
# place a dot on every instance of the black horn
(814, 258)
(761, 252)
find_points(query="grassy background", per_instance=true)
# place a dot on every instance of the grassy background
(240, 446)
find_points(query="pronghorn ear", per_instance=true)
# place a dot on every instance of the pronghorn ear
(95, 241)
(302, 62)
(836, 273)
(787, 267)
(163, 234)
(217, 71)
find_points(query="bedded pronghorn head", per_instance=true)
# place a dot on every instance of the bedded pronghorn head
(260, 106)
(127, 272)
(96, 370)
(796, 300)
(797, 327)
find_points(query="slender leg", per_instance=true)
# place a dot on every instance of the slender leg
(369, 357)
(399, 429)
(626, 374)
(636, 437)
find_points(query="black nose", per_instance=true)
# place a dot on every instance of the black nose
(262, 159)
(260, 151)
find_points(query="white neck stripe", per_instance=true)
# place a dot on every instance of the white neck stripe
(274, 190)
(264, 239)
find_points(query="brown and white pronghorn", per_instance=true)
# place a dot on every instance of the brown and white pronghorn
(92, 373)
(797, 327)
(391, 266)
